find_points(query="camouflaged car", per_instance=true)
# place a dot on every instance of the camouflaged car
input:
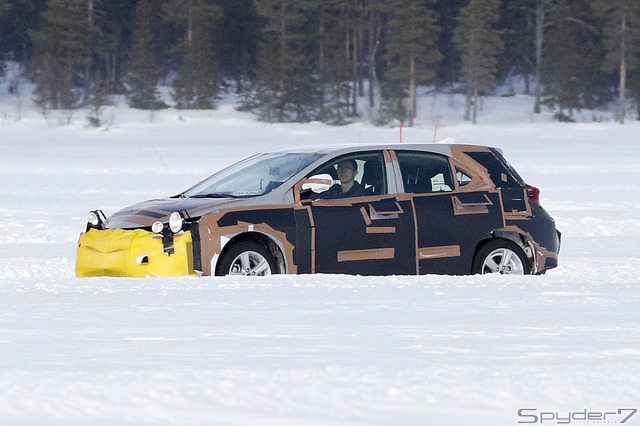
(369, 210)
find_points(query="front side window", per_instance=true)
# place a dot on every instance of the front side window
(354, 175)
(424, 172)
(257, 175)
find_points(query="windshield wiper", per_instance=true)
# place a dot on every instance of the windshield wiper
(213, 195)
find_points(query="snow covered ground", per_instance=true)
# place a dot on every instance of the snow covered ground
(313, 350)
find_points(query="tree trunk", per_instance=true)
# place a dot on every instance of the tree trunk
(372, 57)
(87, 68)
(361, 50)
(281, 73)
(467, 107)
(374, 44)
(321, 56)
(190, 25)
(475, 102)
(354, 71)
(623, 70)
(283, 45)
(412, 90)
(540, 12)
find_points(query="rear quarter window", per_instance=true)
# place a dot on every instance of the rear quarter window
(501, 172)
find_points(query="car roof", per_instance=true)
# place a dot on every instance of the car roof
(441, 148)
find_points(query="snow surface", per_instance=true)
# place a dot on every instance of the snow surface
(311, 350)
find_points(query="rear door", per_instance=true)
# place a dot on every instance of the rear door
(454, 210)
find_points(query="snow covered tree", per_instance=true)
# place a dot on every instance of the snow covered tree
(198, 81)
(412, 52)
(480, 43)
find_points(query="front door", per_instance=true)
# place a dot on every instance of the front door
(369, 233)
(365, 236)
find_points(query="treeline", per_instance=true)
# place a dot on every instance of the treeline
(304, 60)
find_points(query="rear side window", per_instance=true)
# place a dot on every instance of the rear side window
(424, 172)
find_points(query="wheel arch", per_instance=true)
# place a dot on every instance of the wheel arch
(271, 243)
(515, 236)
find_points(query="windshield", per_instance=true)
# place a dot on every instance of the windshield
(257, 175)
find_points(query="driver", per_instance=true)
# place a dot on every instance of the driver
(348, 186)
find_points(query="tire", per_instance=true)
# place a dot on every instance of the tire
(247, 258)
(501, 256)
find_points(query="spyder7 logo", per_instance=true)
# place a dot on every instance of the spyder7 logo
(533, 416)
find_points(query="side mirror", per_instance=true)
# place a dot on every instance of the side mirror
(318, 183)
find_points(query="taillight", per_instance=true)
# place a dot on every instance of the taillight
(534, 194)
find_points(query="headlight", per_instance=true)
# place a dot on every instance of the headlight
(157, 227)
(92, 218)
(96, 219)
(176, 221)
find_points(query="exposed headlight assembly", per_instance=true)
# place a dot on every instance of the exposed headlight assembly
(96, 219)
(157, 227)
(176, 222)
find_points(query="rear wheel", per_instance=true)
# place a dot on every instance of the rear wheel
(248, 258)
(500, 256)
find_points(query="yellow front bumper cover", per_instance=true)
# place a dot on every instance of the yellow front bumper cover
(132, 253)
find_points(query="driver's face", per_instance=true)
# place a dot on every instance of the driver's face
(346, 172)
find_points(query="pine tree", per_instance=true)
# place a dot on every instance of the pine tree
(525, 22)
(352, 24)
(95, 103)
(449, 69)
(15, 27)
(5, 8)
(236, 41)
(518, 56)
(198, 81)
(621, 39)
(570, 69)
(334, 64)
(542, 10)
(634, 88)
(62, 53)
(114, 21)
(374, 10)
(288, 89)
(143, 74)
(480, 44)
(412, 51)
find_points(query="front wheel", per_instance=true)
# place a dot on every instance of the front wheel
(501, 256)
(248, 258)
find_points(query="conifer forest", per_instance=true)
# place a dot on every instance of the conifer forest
(323, 60)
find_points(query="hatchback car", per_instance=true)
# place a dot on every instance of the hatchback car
(374, 210)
